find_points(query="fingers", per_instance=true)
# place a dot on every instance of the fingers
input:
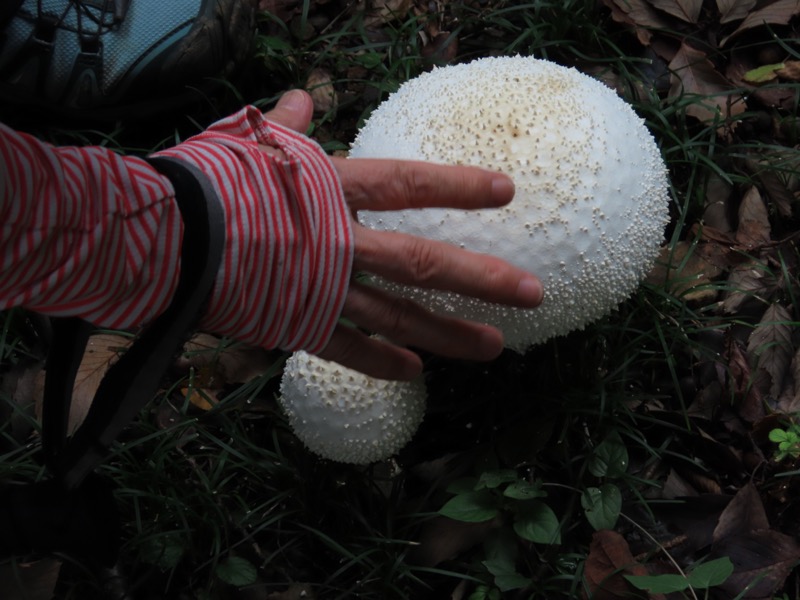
(437, 265)
(351, 348)
(377, 184)
(409, 324)
(293, 110)
(405, 323)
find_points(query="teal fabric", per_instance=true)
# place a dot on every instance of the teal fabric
(88, 53)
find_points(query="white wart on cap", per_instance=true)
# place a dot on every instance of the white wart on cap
(346, 416)
(591, 198)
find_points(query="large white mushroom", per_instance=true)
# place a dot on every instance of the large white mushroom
(346, 416)
(588, 219)
(592, 191)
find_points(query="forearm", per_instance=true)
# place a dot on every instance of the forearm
(85, 232)
(89, 233)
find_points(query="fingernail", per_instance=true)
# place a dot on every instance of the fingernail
(530, 291)
(502, 189)
(293, 100)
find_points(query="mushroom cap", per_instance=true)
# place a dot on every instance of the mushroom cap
(591, 197)
(346, 416)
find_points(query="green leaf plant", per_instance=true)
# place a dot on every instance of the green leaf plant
(702, 577)
(499, 492)
(520, 503)
(788, 441)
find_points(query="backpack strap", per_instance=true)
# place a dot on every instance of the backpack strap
(74, 512)
(134, 379)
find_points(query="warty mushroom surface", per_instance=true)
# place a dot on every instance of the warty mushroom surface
(346, 416)
(591, 198)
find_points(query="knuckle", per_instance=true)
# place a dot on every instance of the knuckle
(424, 261)
(413, 184)
(495, 271)
(423, 183)
(398, 316)
(493, 280)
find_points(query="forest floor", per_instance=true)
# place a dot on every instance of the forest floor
(656, 454)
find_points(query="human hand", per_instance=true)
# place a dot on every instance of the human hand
(373, 184)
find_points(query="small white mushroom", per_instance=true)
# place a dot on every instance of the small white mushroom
(346, 416)
(592, 191)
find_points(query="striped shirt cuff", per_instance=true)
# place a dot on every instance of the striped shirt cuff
(289, 247)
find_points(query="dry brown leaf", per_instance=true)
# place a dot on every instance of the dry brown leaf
(29, 581)
(741, 62)
(320, 86)
(676, 486)
(778, 190)
(790, 70)
(716, 212)
(762, 557)
(733, 10)
(744, 513)
(707, 401)
(386, 11)
(218, 366)
(461, 590)
(702, 482)
(746, 283)
(754, 228)
(752, 208)
(685, 10)
(609, 560)
(688, 269)
(693, 74)
(777, 13)
(796, 372)
(747, 397)
(638, 14)
(695, 517)
(790, 402)
(770, 346)
(441, 49)
(102, 351)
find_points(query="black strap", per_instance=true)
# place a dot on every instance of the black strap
(69, 339)
(74, 511)
(134, 379)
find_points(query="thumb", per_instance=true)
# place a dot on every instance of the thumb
(293, 110)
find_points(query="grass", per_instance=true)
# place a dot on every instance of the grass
(226, 503)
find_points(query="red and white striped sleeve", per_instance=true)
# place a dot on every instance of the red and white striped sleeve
(86, 232)
(289, 248)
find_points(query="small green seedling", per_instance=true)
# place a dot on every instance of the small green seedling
(501, 491)
(788, 441)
